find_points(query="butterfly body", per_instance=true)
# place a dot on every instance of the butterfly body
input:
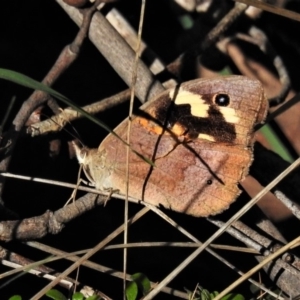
(198, 136)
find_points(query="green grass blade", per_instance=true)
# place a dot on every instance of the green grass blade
(26, 81)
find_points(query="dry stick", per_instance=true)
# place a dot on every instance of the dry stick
(258, 267)
(35, 265)
(118, 53)
(68, 185)
(292, 206)
(221, 230)
(65, 59)
(284, 271)
(48, 222)
(181, 245)
(133, 86)
(223, 25)
(271, 8)
(116, 19)
(88, 255)
(240, 235)
(53, 105)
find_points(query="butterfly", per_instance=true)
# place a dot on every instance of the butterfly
(199, 136)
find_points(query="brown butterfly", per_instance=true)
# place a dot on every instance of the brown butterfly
(199, 137)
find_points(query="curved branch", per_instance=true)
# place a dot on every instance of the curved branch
(49, 222)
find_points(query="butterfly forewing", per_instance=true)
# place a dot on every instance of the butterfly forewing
(200, 138)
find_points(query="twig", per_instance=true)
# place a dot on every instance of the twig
(68, 185)
(215, 34)
(273, 9)
(294, 208)
(128, 33)
(49, 222)
(132, 88)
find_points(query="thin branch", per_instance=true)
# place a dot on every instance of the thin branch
(293, 207)
(132, 88)
(49, 222)
(273, 9)
(215, 34)
(117, 20)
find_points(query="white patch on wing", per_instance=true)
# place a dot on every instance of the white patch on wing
(206, 137)
(198, 106)
(229, 114)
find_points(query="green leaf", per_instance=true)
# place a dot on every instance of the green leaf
(142, 281)
(276, 144)
(94, 297)
(214, 294)
(233, 297)
(15, 297)
(77, 296)
(56, 295)
(131, 291)
(205, 295)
